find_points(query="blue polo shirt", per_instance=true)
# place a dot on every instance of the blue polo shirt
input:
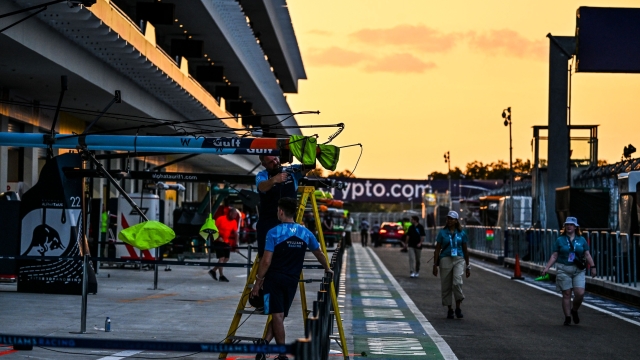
(448, 241)
(562, 247)
(288, 188)
(288, 242)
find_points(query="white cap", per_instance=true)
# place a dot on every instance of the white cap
(452, 214)
(571, 220)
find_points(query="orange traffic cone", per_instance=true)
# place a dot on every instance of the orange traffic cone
(516, 271)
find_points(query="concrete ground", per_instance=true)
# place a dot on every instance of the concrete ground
(188, 306)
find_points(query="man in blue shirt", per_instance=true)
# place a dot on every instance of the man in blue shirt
(273, 183)
(280, 267)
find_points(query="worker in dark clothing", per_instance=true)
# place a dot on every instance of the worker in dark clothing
(274, 183)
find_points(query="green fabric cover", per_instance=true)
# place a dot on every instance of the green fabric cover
(303, 148)
(147, 235)
(329, 155)
(209, 227)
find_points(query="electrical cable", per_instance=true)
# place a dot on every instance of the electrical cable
(359, 156)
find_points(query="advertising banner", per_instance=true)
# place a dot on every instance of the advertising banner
(380, 190)
(51, 221)
(397, 191)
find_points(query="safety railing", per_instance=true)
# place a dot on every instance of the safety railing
(315, 345)
(486, 239)
(614, 253)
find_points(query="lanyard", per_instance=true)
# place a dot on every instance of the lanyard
(571, 246)
(451, 237)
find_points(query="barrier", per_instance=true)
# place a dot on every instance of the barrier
(26, 341)
(315, 345)
(614, 253)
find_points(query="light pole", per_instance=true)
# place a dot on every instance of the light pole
(506, 115)
(447, 159)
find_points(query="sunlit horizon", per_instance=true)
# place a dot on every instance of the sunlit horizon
(412, 80)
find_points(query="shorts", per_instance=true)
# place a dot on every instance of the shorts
(223, 250)
(279, 291)
(569, 277)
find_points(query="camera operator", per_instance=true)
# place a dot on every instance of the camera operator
(274, 183)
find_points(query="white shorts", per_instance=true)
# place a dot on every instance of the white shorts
(569, 277)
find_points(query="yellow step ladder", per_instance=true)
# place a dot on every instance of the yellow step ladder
(306, 193)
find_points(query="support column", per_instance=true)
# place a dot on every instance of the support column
(4, 155)
(30, 161)
(561, 49)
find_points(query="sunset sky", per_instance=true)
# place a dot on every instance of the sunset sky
(412, 79)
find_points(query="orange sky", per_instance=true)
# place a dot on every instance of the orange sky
(412, 79)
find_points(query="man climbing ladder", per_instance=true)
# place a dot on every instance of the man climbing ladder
(280, 268)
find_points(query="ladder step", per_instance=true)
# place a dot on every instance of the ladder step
(244, 338)
(251, 312)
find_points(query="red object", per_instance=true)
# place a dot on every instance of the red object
(228, 229)
(390, 233)
(517, 275)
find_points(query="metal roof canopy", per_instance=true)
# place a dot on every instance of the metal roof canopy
(229, 42)
(272, 22)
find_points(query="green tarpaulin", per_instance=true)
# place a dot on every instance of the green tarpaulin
(147, 235)
(304, 149)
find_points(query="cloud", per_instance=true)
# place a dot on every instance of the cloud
(416, 37)
(399, 64)
(396, 63)
(508, 42)
(421, 38)
(336, 56)
(320, 32)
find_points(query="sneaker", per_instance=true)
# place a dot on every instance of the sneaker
(567, 320)
(213, 275)
(459, 313)
(415, 275)
(281, 357)
(223, 278)
(574, 315)
(450, 314)
(261, 356)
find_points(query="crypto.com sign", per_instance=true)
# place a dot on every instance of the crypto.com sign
(379, 190)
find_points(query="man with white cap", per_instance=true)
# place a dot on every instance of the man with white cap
(571, 254)
(451, 255)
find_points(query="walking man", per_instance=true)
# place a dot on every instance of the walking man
(364, 232)
(375, 234)
(227, 225)
(415, 237)
(348, 227)
(280, 268)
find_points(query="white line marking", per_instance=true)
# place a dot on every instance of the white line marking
(121, 355)
(559, 295)
(442, 345)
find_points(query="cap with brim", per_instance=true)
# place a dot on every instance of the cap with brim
(571, 220)
(452, 214)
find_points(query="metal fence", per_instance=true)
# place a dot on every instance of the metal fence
(614, 253)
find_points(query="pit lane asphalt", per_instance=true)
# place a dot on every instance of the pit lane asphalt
(505, 319)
